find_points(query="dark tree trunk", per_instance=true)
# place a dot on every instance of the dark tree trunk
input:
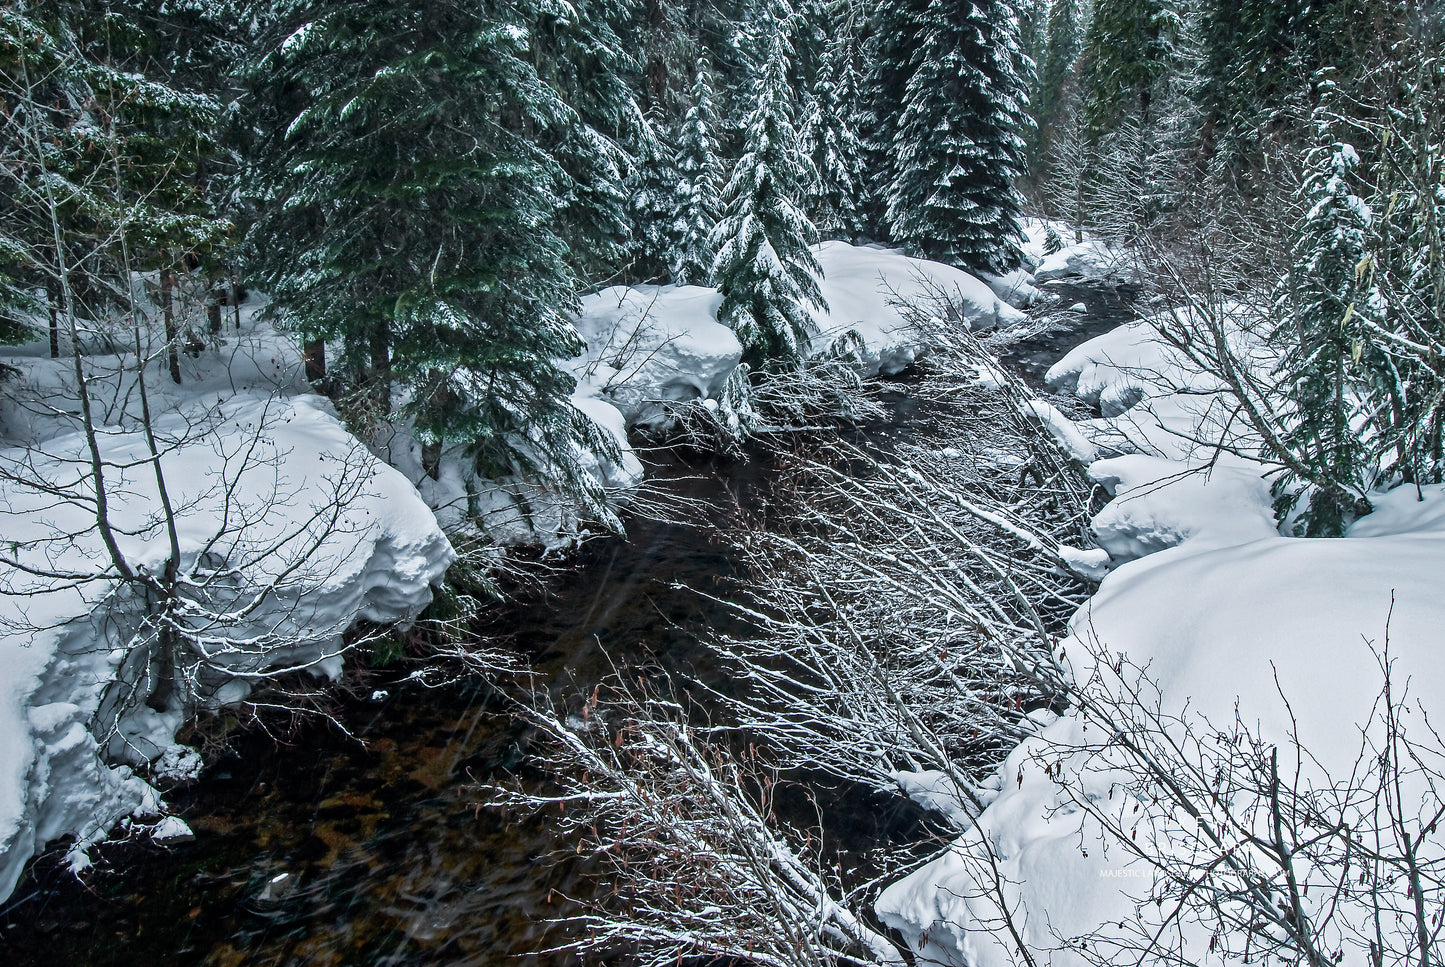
(314, 353)
(56, 297)
(168, 313)
(213, 313)
(381, 368)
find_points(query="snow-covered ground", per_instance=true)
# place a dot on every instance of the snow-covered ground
(652, 347)
(289, 529)
(1054, 252)
(1238, 628)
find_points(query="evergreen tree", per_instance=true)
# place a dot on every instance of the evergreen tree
(764, 269)
(1129, 54)
(959, 146)
(1054, 100)
(1255, 54)
(698, 171)
(1326, 308)
(654, 200)
(579, 54)
(890, 45)
(101, 171)
(407, 213)
(830, 139)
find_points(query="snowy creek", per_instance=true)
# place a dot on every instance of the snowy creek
(317, 848)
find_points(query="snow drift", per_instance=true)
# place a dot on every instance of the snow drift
(293, 528)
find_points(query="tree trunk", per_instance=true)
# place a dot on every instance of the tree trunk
(314, 353)
(213, 313)
(236, 300)
(381, 368)
(168, 313)
(55, 307)
(431, 459)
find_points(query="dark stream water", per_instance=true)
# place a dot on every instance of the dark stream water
(384, 855)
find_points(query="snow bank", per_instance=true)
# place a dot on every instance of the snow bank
(1016, 288)
(655, 344)
(865, 287)
(1041, 234)
(651, 346)
(270, 493)
(1088, 262)
(1226, 617)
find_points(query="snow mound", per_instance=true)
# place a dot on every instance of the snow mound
(1218, 626)
(1040, 234)
(1088, 261)
(1160, 504)
(289, 530)
(1016, 288)
(866, 287)
(652, 345)
(1118, 369)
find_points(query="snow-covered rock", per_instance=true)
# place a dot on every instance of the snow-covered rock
(1041, 235)
(1016, 288)
(866, 287)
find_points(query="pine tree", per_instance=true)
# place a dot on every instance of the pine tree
(102, 156)
(407, 213)
(579, 54)
(1055, 97)
(959, 147)
(698, 171)
(1326, 308)
(892, 41)
(764, 269)
(652, 205)
(1128, 55)
(830, 138)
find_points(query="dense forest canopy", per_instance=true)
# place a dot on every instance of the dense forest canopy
(424, 190)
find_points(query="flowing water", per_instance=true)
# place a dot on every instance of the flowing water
(315, 847)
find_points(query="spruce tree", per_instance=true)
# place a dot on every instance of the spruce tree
(698, 171)
(653, 201)
(580, 56)
(890, 45)
(1055, 97)
(1128, 55)
(1325, 308)
(764, 268)
(407, 213)
(959, 146)
(830, 138)
(104, 157)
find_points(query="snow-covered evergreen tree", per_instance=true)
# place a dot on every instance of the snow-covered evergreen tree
(653, 201)
(578, 53)
(1129, 53)
(830, 138)
(100, 168)
(1325, 309)
(407, 213)
(764, 268)
(893, 30)
(1054, 99)
(959, 146)
(699, 173)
